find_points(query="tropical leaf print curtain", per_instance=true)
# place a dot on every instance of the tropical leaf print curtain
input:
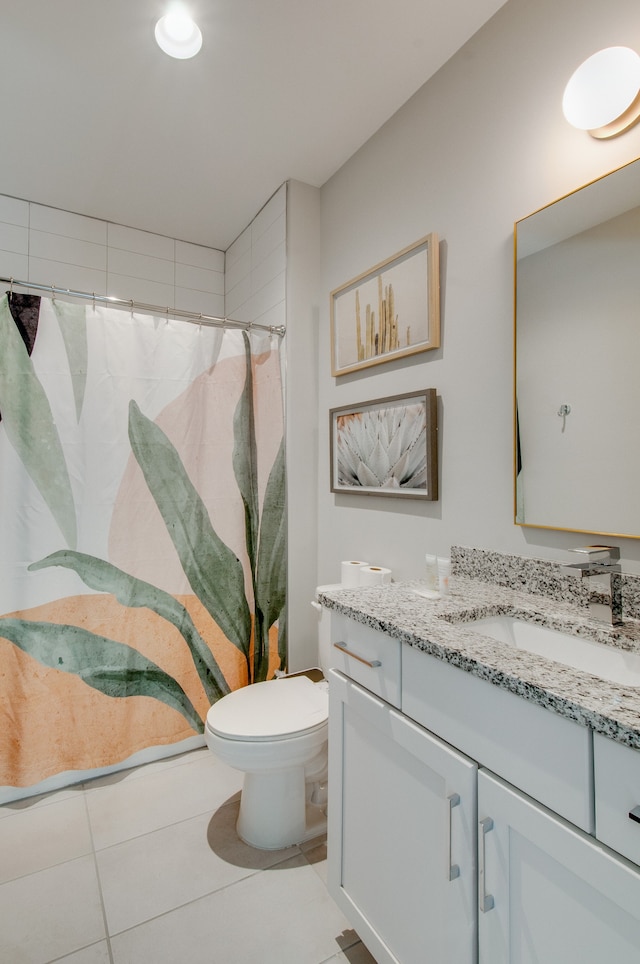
(142, 523)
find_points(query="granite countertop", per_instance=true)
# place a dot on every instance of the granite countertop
(436, 625)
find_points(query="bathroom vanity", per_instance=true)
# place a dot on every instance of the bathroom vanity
(483, 801)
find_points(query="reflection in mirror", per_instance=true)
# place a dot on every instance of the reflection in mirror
(577, 380)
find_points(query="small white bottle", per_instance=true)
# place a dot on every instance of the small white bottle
(444, 571)
(431, 572)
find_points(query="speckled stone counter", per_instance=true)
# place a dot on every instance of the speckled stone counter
(439, 626)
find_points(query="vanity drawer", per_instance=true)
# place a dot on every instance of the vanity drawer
(367, 656)
(617, 782)
(545, 755)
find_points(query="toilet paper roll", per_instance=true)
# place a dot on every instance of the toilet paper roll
(351, 572)
(374, 576)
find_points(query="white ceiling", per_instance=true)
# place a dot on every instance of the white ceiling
(99, 121)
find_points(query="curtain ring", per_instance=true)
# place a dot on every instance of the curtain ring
(53, 292)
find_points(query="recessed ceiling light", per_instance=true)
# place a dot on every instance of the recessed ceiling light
(177, 34)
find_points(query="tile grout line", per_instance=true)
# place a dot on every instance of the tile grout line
(29, 242)
(210, 893)
(65, 957)
(302, 852)
(48, 866)
(97, 870)
(148, 833)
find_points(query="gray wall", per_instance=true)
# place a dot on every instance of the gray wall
(303, 295)
(481, 145)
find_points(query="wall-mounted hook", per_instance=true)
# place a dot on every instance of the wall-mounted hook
(563, 411)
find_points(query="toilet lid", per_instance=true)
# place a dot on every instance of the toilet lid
(276, 709)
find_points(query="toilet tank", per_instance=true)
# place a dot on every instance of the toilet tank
(324, 631)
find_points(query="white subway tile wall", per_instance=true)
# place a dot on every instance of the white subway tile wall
(75, 276)
(255, 276)
(14, 211)
(141, 242)
(52, 247)
(66, 224)
(14, 237)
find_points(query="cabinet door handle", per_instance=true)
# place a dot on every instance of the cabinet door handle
(485, 901)
(453, 801)
(372, 663)
(635, 814)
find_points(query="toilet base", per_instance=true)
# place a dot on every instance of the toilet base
(274, 812)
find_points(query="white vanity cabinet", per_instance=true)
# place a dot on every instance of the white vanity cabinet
(547, 892)
(546, 755)
(531, 883)
(368, 657)
(401, 815)
(617, 786)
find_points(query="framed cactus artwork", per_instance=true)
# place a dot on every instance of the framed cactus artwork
(388, 312)
(388, 446)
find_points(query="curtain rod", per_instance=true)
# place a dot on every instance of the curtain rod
(209, 321)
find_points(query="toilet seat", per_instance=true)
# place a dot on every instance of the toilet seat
(273, 710)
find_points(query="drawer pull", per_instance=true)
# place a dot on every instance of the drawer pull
(485, 901)
(635, 814)
(372, 663)
(453, 801)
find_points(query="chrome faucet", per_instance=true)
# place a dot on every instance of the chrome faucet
(600, 567)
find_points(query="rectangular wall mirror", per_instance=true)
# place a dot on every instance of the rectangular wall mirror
(577, 360)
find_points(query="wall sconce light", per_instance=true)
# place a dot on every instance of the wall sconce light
(177, 34)
(603, 95)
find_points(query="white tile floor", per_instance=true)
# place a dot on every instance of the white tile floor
(144, 867)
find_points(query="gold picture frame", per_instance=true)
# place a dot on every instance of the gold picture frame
(390, 311)
(387, 446)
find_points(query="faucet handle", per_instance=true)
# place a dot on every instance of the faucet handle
(594, 554)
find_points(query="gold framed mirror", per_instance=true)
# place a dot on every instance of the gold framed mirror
(577, 360)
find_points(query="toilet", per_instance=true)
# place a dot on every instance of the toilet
(276, 733)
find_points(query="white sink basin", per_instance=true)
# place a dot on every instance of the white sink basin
(607, 662)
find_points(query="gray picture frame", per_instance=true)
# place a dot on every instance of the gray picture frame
(386, 447)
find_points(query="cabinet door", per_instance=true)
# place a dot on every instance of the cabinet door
(617, 783)
(548, 893)
(402, 811)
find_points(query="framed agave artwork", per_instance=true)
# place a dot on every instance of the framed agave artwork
(387, 446)
(388, 312)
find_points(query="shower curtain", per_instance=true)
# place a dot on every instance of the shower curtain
(142, 530)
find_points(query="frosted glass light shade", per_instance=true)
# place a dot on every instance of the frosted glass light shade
(178, 35)
(603, 95)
